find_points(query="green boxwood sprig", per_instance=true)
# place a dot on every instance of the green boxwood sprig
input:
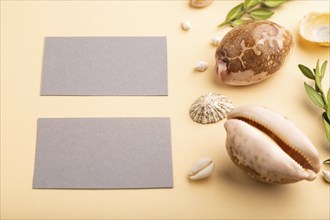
(251, 10)
(316, 94)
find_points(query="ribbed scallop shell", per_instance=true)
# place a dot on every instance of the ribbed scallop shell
(210, 108)
(315, 28)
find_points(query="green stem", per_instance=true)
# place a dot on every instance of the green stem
(324, 100)
(248, 10)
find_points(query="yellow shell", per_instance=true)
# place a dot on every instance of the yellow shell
(315, 28)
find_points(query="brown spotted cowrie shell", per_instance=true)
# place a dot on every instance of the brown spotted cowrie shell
(269, 147)
(252, 52)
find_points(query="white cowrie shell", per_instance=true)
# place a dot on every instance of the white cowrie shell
(269, 147)
(186, 25)
(201, 66)
(201, 169)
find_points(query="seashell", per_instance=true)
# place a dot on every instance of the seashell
(269, 147)
(201, 66)
(216, 40)
(326, 175)
(200, 3)
(210, 108)
(201, 169)
(252, 52)
(186, 25)
(315, 28)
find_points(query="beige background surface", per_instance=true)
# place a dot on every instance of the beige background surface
(228, 193)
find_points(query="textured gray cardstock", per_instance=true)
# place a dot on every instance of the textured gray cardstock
(96, 66)
(103, 153)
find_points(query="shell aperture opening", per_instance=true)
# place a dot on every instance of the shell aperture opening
(294, 154)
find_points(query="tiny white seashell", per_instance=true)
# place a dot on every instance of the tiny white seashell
(216, 40)
(201, 169)
(210, 108)
(201, 66)
(326, 175)
(186, 25)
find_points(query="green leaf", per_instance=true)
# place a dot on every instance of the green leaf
(306, 71)
(233, 14)
(314, 96)
(328, 113)
(250, 3)
(237, 22)
(326, 125)
(273, 3)
(318, 85)
(328, 99)
(261, 14)
(323, 68)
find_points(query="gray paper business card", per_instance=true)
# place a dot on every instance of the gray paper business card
(103, 153)
(97, 66)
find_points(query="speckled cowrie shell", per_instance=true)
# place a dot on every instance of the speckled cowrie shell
(252, 52)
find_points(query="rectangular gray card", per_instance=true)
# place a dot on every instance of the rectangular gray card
(103, 153)
(96, 66)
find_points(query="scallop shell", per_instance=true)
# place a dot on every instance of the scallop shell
(210, 108)
(315, 28)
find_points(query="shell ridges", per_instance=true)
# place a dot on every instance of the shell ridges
(210, 108)
(315, 28)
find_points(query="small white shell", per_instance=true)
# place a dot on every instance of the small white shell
(216, 40)
(201, 66)
(200, 3)
(210, 108)
(315, 28)
(186, 25)
(326, 175)
(201, 169)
